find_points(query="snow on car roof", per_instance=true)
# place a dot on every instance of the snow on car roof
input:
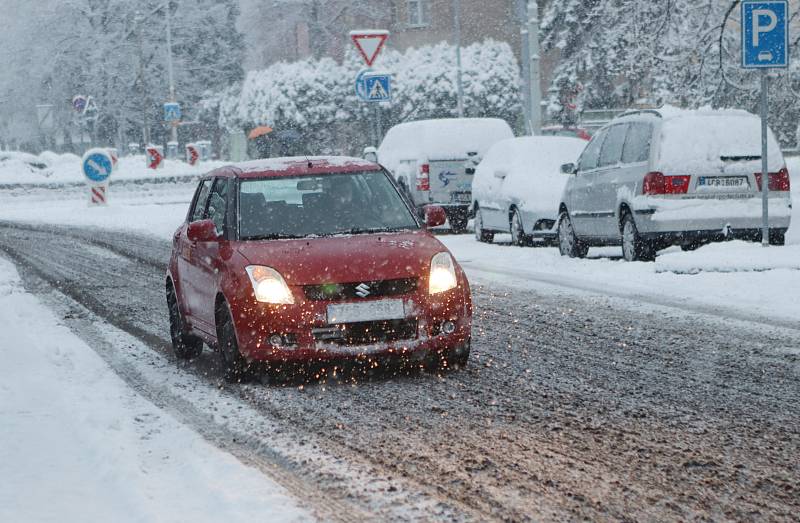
(442, 139)
(696, 141)
(299, 165)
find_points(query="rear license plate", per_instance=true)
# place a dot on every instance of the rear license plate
(462, 197)
(723, 182)
(366, 311)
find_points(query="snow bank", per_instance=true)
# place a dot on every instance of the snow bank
(532, 167)
(50, 168)
(737, 256)
(77, 444)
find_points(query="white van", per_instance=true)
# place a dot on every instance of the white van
(434, 160)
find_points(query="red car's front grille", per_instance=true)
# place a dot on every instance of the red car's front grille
(367, 332)
(354, 291)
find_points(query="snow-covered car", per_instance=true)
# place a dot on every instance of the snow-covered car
(654, 178)
(434, 160)
(301, 260)
(518, 185)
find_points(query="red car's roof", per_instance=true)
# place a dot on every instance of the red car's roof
(296, 166)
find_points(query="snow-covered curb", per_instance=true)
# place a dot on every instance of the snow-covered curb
(49, 168)
(77, 444)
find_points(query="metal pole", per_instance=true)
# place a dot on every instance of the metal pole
(457, 37)
(535, 75)
(145, 125)
(764, 161)
(526, 64)
(174, 134)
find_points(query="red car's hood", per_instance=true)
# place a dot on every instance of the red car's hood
(346, 259)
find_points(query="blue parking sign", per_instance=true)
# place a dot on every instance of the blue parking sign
(765, 34)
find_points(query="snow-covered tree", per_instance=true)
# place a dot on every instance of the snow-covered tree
(115, 51)
(317, 97)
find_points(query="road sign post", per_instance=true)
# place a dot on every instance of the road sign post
(371, 86)
(97, 166)
(765, 45)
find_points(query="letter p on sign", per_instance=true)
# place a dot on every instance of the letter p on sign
(758, 17)
(765, 35)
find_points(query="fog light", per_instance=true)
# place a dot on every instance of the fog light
(276, 340)
(448, 327)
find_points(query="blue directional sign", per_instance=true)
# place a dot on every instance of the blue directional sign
(172, 112)
(373, 87)
(97, 165)
(765, 34)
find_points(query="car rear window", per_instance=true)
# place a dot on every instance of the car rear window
(303, 206)
(703, 143)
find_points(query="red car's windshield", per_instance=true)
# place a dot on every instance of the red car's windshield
(298, 207)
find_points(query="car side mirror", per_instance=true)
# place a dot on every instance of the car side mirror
(500, 173)
(202, 231)
(569, 168)
(434, 216)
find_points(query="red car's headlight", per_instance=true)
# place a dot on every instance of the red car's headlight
(443, 274)
(269, 286)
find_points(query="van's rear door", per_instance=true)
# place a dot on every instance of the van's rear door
(450, 182)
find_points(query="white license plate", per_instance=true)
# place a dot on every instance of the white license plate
(724, 182)
(366, 311)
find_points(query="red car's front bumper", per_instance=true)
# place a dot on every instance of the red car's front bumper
(306, 335)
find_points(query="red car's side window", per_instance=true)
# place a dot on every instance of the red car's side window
(200, 202)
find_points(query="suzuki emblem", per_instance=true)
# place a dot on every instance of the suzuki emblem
(363, 290)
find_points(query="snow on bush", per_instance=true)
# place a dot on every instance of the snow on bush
(317, 97)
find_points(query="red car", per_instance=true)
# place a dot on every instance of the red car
(300, 260)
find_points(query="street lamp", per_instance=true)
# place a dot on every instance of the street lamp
(457, 38)
(174, 133)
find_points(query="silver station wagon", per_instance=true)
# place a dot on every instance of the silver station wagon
(655, 178)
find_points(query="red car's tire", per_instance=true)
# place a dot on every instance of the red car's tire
(184, 345)
(235, 368)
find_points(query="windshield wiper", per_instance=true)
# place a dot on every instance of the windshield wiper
(373, 230)
(273, 236)
(750, 158)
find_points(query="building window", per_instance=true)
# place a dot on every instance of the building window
(419, 13)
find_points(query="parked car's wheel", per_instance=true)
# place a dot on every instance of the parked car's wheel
(235, 368)
(634, 247)
(184, 345)
(458, 221)
(518, 236)
(481, 234)
(568, 242)
(777, 237)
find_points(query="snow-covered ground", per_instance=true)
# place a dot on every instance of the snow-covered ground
(49, 167)
(77, 444)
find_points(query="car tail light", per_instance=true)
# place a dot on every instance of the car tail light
(778, 181)
(424, 177)
(658, 183)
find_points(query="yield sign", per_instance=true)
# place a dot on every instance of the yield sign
(369, 43)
